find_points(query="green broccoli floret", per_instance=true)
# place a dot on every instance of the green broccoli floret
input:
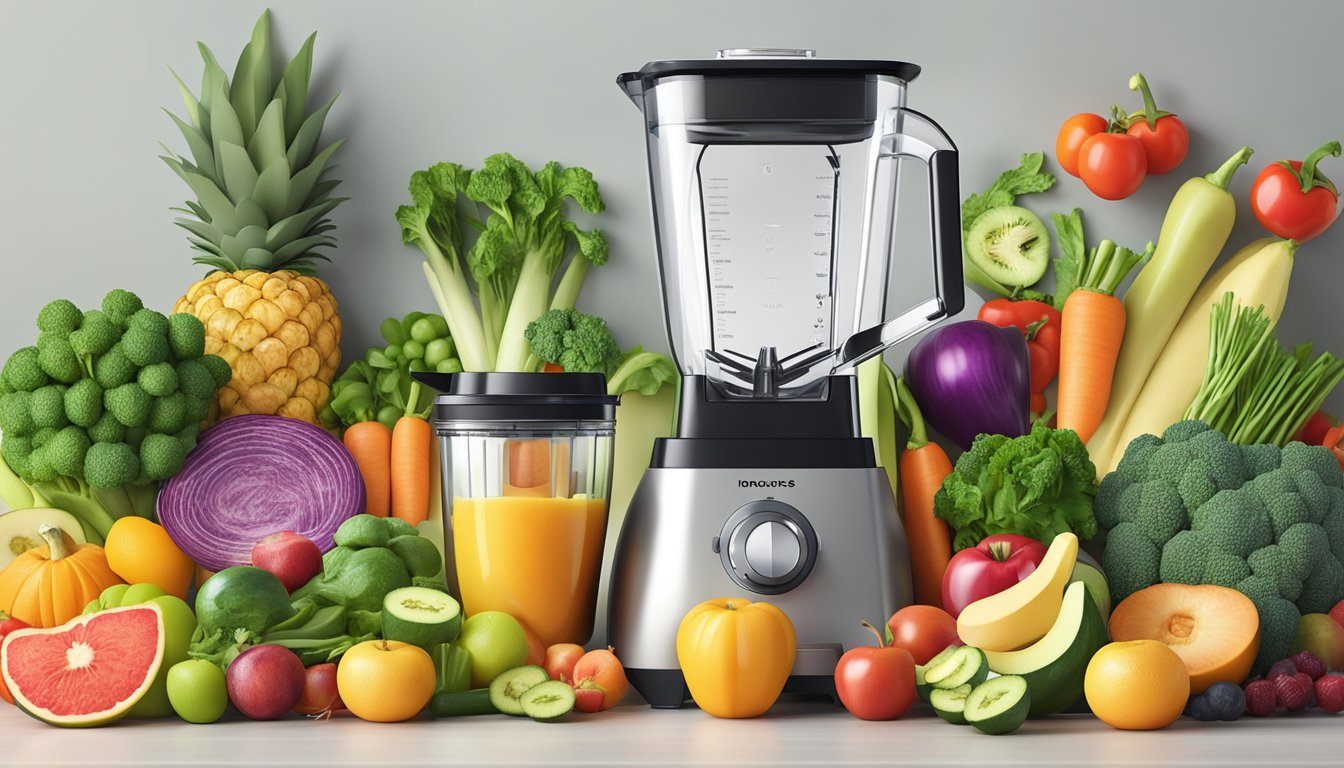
(188, 436)
(113, 369)
(58, 359)
(1286, 510)
(129, 403)
(1316, 459)
(1106, 506)
(194, 379)
(43, 436)
(1182, 431)
(120, 304)
(1184, 559)
(1260, 458)
(1130, 560)
(1159, 512)
(107, 430)
(1135, 459)
(161, 456)
(1303, 546)
(84, 403)
(1278, 629)
(59, 318)
(159, 380)
(111, 465)
(168, 415)
(1234, 522)
(15, 417)
(1333, 523)
(135, 435)
(143, 346)
(1225, 569)
(198, 410)
(186, 336)
(23, 372)
(1323, 587)
(66, 450)
(574, 341)
(219, 369)
(47, 406)
(96, 336)
(1314, 493)
(39, 466)
(15, 450)
(149, 320)
(1272, 563)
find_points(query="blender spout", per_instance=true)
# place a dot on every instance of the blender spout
(633, 86)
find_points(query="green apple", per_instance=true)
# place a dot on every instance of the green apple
(1088, 571)
(496, 642)
(197, 690)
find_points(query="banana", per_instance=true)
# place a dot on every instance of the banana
(1023, 613)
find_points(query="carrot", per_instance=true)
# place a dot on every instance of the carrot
(370, 442)
(1092, 325)
(410, 469)
(924, 466)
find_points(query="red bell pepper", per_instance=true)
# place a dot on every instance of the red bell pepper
(1041, 324)
(1313, 431)
(1293, 199)
(1334, 440)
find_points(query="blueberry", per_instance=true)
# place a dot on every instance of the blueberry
(1199, 708)
(1225, 701)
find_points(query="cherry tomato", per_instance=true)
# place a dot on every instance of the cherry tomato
(1284, 209)
(923, 630)
(1165, 140)
(1112, 165)
(1072, 134)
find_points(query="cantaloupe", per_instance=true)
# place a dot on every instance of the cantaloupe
(1215, 630)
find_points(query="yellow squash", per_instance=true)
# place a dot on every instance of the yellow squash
(736, 655)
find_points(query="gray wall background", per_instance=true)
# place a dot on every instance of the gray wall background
(84, 200)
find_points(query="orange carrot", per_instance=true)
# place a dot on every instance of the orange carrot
(1093, 327)
(410, 469)
(924, 466)
(370, 442)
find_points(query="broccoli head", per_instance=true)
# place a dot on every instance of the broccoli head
(168, 414)
(66, 450)
(129, 403)
(1131, 560)
(15, 417)
(574, 341)
(23, 372)
(95, 336)
(161, 456)
(148, 320)
(120, 304)
(113, 369)
(111, 465)
(58, 359)
(144, 346)
(59, 317)
(159, 380)
(84, 403)
(47, 406)
(186, 336)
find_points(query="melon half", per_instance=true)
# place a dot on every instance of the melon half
(1215, 630)
(86, 672)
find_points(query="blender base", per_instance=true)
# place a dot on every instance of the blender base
(666, 688)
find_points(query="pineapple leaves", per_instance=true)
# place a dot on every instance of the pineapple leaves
(256, 258)
(194, 111)
(250, 214)
(301, 149)
(201, 151)
(239, 175)
(252, 77)
(213, 201)
(224, 128)
(268, 141)
(200, 229)
(299, 224)
(304, 181)
(293, 88)
(271, 190)
(213, 80)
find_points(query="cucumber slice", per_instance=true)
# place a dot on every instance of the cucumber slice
(967, 666)
(462, 703)
(922, 687)
(506, 690)
(550, 700)
(950, 704)
(1000, 705)
(421, 616)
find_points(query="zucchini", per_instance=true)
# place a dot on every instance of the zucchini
(999, 706)
(950, 704)
(922, 688)
(462, 703)
(1197, 225)
(966, 666)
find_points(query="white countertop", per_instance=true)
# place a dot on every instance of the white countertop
(792, 734)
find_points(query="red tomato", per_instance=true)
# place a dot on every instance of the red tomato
(1112, 165)
(1072, 134)
(995, 564)
(1165, 147)
(1282, 208)
(923, 630)
(876, 683)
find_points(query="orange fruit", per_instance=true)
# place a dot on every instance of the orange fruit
(1215, 630)
(141, 552)
(385, 681)
(1136, 685)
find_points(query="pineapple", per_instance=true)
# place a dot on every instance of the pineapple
(259, 220)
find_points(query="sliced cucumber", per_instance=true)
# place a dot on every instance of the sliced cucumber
(1000, 705)
(462, 703)
(921, 686)
(421, 616)
(507, 689)
(967, 666)
(550, 700)
(950, 704)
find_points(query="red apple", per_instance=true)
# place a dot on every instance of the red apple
(599, 670)
(876, 683)
(923, 630)
(560, 661)
(995, 564)
(294, 559)
(320, 698)
(265, 682)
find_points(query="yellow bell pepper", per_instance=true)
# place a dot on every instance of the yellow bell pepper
(736, 655)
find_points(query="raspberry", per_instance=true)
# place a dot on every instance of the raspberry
(1309, 686)
(1330, 693)
(1281, 667)
(1292, 695)
(1261, 698)
(1308, 662)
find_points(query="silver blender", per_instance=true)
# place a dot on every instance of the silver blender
(774, 180)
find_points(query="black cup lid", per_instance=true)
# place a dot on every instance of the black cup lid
(479, 397)
(785, 67)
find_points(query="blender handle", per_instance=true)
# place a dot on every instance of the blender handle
(935, 149)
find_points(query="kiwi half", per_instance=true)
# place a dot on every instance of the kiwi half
(1010, 245)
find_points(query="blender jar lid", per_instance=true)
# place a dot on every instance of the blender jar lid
(796, 64)
(481, 397)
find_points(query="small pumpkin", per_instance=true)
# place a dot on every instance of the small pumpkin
(51, 584)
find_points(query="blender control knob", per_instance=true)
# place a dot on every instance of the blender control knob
(767, 546)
